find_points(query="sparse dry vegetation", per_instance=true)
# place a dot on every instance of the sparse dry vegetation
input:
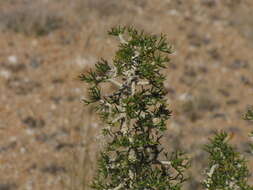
(33, 18)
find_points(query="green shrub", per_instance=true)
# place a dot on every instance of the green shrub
(249, 116)
(136, 114)
(227, 169)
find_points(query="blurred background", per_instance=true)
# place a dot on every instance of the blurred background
(50, 140)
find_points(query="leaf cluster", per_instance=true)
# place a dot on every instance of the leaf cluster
(249, 116)
(227, 169)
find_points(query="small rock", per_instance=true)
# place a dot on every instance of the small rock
(53, 169)
(84, 62)
(172, 65)
(214, 54)
(76, 90)
(234, 129)
(23, 150)
(206, 40)
(29, 132)
(224, 92)
(58, 81)
(12, 145)
(71, 98)
(238, 64)
(190, 72)
(42, 137)
(56, 99)
(13, 59)
(185, 97)
(29, 185)
(170, 91)
(209, 3)
(64, 145)
(194, 39)
(173, 12)
(34, 123)
(203, 69)
(245, 80)
(35, 63)
(205, 103)
(232, 102)
(219, 115)
(5, 74)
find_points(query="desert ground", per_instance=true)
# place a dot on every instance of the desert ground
(50, 140)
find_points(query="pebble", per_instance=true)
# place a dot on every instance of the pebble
(35, 63)
(185, 97)
(76, 90)
(232, 102)
(84, 62)
(173, 12)
(22, 150)
(29, 185)
(13, 59)
(5, 74)
(33, 123)
(238, 64)
(29, 131)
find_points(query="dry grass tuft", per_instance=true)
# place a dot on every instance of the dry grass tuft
(33, 18)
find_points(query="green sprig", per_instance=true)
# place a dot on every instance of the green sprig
(136, 115)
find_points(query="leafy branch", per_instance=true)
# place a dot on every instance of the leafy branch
(135, 114)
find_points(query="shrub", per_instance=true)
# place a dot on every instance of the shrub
(249, 116)
(136, 114)
(227, 169)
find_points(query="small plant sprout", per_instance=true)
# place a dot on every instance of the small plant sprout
(135, 115)
(249, 116)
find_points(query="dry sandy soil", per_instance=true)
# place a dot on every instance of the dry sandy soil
(49, 140)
